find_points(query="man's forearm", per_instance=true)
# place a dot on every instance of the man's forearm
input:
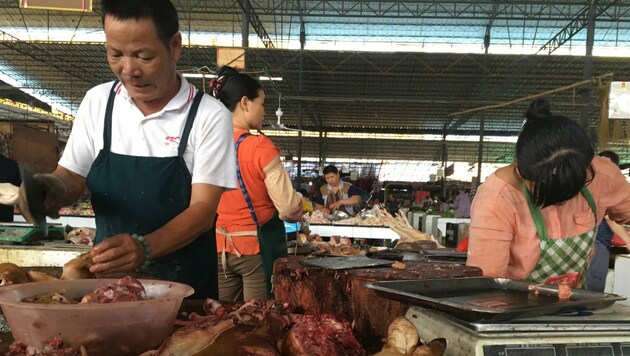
(75, 185)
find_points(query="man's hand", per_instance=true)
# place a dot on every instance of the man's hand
(9, 194)
(119, 253)
(337, 205)
(55, 190)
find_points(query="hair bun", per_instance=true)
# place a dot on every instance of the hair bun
(226, 72)
(538, 109)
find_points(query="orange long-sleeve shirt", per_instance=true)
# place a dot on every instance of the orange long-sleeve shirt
(503, 237)
(254, 156)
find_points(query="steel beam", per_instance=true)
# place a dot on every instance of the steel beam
(34, 51)
(545, 10)
(527, 63)
(250, 13)
(581, 21)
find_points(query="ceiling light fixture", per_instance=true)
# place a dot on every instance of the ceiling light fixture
(199, 75)
(263, 77)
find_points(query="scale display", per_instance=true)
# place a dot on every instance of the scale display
(606, 349)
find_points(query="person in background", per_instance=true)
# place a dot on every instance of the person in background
(443, 205)
(337, 194)
(155, 152)
(9, 178)
(535, 219)
(473, 192)
(462, 204)
(306, 202)
(250, 231)
(392, 204)
(427, 202)
(598, 268)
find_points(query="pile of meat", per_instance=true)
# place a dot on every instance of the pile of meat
(77, 268)
(337, 246)
(316, 217)
(54, 347)
(82, 236)
(127, 289)
(403, 339)
(259, 327)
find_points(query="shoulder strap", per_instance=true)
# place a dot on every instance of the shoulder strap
(241, 182)
(591, 202)
(189, 122)
(537, 215)
(107, 125)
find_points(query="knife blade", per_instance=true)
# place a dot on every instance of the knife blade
(35, 193)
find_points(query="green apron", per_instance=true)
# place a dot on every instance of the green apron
(272, 237)
(138, 195)
(559, 257)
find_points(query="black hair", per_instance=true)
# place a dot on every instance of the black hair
(555, 153)
(330, 169)
(303, 192)
(230, 87)
(162, 12)
(614, 157)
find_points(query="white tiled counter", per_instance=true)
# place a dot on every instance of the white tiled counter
(50, 254)
(72, 220)
(363, 232)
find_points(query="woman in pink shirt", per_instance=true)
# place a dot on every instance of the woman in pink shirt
(535, 219)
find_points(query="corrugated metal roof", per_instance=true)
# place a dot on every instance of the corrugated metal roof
(404, 92)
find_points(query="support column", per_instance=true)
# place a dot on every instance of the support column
(300, 117)
(444, 159)
(245, 25)
(486, 95)
(587, 97)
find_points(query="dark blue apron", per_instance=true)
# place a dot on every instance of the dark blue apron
(272, 237)
(138, 195)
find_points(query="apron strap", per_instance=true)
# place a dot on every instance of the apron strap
(241, 182)
(107, 128)
(537, 215)
(189, 122)
(591, 202)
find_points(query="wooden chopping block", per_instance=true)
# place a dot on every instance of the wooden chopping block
(342, 292)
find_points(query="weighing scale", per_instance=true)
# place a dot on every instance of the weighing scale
(24, 233)
(601, 332)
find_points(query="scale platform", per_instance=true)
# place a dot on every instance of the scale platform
(25, 233)
(601, 332)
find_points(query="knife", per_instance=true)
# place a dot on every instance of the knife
(35, 193)
(386, 255)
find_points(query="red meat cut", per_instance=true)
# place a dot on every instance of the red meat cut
(321, 335)
(127, 289)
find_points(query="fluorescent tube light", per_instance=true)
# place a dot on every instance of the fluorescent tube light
(199, 75)
(262, 77)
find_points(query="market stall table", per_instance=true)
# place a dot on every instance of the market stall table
(42, 254)
(354, 231)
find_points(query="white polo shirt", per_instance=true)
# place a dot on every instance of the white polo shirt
(209, 154)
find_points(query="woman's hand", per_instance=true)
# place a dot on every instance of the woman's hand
(620, 230)
(9, 194)
(119, 253)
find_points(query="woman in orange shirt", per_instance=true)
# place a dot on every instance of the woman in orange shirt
(250, 233)
(535, 219)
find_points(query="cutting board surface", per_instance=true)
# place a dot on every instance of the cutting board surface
(345, 262)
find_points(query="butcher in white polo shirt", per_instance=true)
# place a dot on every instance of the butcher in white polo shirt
(155, 152)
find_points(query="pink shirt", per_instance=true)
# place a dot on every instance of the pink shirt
(503, 238)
